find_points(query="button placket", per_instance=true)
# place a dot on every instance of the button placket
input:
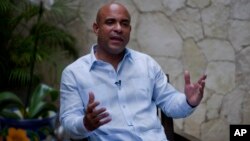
(122, 101)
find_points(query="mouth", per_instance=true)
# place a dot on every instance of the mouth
(116, 39)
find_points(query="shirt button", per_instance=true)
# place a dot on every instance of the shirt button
(124, 106)
(130, 123)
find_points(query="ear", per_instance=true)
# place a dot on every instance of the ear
(95, 28)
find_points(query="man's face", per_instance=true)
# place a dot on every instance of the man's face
(113, 29)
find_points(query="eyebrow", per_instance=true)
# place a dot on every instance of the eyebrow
(112, 18)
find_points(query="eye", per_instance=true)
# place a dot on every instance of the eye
(109, 21)
(125, 23)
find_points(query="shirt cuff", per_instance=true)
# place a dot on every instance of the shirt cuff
(81, 128)
(190, 104)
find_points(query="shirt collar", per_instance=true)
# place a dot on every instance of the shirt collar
(93, 61)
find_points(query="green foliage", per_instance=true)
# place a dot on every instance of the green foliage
(42, 101)
(30, 34)
(21, 32)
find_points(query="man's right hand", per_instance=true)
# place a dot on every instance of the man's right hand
(94, 118)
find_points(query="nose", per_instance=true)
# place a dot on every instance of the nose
(118, 27)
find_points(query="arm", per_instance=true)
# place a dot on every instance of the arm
(77, 117)
(174, 103)
(71, 106)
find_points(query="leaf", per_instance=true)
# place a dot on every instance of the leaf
(20, 75)
(21, 30)
(9, 100)
(41, 92)
(53, 36)
(39, 103)
(4, 5)
(9, 114)
(41, 109)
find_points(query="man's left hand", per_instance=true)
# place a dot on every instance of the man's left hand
(194, 91)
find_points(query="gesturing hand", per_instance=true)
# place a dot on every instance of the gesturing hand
(194, 92)
(94, 117)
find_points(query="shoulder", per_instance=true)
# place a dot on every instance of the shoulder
(81, 63)
(145, 63)
(142, 57)
(137, 55)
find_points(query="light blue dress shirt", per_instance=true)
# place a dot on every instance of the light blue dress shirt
(130, 94)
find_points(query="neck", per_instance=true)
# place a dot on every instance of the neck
(113, 59)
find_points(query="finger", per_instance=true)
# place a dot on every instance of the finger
(104, 121)
(98, 111)
(202, 85)
(102, 116)
(91, 103)
(92, 106)
(91, 97)
(101, 120)
(187, 78)
(203, 77)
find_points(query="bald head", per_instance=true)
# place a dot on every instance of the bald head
(111, 7)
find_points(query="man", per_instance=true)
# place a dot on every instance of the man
(111, 94)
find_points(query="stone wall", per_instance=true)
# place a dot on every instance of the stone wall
(202, 36)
